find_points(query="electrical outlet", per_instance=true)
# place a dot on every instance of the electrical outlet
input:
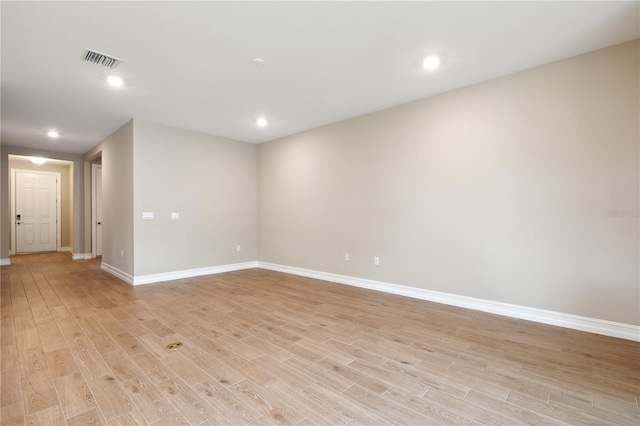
(122, 253)
(346, 257)
(238, 247)
(376, 260)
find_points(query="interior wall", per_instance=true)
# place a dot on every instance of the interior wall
(521, 190)
(210, 181)
(117, 197)
(76, 214)
(66, 191)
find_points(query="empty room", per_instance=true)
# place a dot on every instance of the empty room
(320, 213)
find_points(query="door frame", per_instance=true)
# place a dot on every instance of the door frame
(94, 208)
(14, 248)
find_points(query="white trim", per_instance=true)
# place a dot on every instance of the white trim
(66, 248)
(128, 278)
(81, 256)
(94, 208)
(576, 322)
(176, 275)
(188, 273)
(14, 248)
(5, 262)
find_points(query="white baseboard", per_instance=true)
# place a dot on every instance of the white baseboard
(66, 248)
(128, 278)
(5, 262)
(189, 273)
(176, 275)
(576, 322)
(81, 256)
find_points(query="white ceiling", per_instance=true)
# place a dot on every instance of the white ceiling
(188, 64)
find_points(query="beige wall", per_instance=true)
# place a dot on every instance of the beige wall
(66, 192)
(497, 191)
(117, 197)
(210, 181)
(76, 215)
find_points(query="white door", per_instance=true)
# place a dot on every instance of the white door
(98, 189)
(36, 212)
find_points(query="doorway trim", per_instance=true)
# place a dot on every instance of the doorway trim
(13, 207)
(94, 208)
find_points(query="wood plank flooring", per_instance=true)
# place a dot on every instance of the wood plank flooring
(80, 347)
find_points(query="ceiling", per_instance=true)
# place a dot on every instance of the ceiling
(188, 64)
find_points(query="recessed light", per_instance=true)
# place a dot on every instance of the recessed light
(261, 122)
(53, 134)
(115, 81)
(38, 160)
(258, 62)
(431, 62)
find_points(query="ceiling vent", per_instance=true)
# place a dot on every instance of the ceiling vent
(100, 58)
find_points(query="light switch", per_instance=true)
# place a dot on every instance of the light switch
(175, 216)
(147, 215)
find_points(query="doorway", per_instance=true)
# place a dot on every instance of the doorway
(65, 198)
(96, 210)
(35, 211)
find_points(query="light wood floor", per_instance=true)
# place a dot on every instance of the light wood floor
(80, 347)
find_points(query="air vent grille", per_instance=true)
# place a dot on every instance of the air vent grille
(100, 58)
